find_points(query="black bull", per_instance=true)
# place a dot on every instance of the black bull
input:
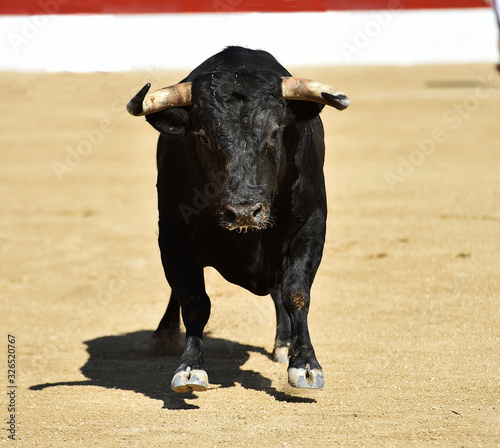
(240, 188)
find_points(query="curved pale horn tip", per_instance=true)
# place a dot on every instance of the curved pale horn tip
(134, 106)
(340, 101)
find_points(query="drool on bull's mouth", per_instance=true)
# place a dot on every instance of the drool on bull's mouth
(243, 229)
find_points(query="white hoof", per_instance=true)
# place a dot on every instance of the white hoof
(187, 380)
(306, 378)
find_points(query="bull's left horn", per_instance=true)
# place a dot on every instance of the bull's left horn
(178, 95)
(308, 90)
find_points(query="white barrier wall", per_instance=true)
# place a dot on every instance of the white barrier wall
(179, 41)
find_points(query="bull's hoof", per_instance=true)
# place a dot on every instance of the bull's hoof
(280, 355)
(306, 378)
(188, 380)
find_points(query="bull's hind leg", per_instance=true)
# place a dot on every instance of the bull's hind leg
(166, 338)
(303, 259)
(282, 340)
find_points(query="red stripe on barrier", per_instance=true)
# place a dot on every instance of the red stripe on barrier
(31, 7)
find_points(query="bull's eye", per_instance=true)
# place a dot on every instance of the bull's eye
(203, 137)
(273, 138)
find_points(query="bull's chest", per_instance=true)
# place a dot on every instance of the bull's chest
(246, 260)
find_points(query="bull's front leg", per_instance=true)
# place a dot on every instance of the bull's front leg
(303, 259)
(191, 375)
(185, 276)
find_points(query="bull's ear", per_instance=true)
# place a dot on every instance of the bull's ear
(303, 110)
(169, 121)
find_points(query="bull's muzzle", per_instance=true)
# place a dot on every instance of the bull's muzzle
(242, 217)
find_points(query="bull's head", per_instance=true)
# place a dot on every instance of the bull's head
(240, 125)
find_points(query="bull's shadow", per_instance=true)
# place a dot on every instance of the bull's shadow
(124, 362)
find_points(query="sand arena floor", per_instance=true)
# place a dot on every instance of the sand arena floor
(405, 308)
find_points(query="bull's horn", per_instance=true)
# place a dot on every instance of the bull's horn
(309, 90)
(178, 95)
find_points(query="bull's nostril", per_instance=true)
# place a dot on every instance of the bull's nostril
(258, 211)
(229, 215)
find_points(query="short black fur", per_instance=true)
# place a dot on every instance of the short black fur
(241, 188)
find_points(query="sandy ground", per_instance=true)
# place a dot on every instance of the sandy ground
(405, 308)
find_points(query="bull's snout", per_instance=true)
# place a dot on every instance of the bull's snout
(244, 216)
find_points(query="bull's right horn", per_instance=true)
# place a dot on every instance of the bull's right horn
(308, 90)
(178, 95)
